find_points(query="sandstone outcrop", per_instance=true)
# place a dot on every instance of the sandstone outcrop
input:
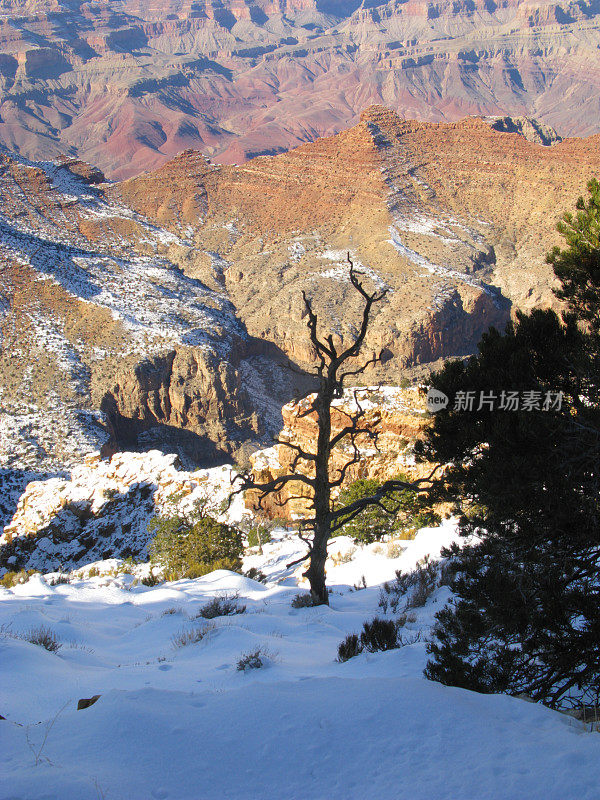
(395, 417)
(103, 509)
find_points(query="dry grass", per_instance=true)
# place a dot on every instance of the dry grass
(188, 636)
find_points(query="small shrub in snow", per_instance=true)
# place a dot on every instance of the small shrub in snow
(44, 637)
(413, 588)
(413, 638)
(255, 659)
(222, 606)
(59, 580)
(379, 634)
(425, 580)
(10, 579)
(362, 584)
(255, 575)
(150, 580)
(303, 600)
(170, 611)
(343, 558)
(394, 549)
(376, 636)
(190, 636)
(349, 648)
(258, 535)
(404, 618)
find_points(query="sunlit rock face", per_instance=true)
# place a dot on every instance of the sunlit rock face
(393, 420)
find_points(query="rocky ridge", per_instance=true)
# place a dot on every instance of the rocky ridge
(105, 339)
(455, 219)
(103, 508)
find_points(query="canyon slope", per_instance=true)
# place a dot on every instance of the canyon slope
(160, 312)
(104, 339)
(128, 84)
(453, 219)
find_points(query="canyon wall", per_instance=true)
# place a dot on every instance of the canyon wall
(127, 84)
(162, 311)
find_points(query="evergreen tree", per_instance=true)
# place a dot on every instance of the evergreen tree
(194, 544)
(578, 266)
(526, 614)
(394, 511)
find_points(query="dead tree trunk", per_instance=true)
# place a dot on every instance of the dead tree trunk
(331, 377)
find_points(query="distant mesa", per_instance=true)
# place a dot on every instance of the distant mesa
(128, 84)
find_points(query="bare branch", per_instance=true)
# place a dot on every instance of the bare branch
(297, 449)
(360, 370)
(276, 484)
(320, 346)
(306, 541)
(298, 560)
(343, 470)
(354, 349)
(297, 371)
(348, 431)
(320, 408)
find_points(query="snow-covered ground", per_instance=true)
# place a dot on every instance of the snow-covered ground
(183, 722)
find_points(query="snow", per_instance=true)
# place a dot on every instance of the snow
(436, 269)
(341, 270)
(426, 226)
(105, 506)
(184, 723)
(378, 396)
(154, 300)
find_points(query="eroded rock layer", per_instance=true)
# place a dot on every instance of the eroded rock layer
(105, 340)
(453, 219)
(127, 84)
(395, 419)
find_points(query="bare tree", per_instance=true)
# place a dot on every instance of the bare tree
(331, 376)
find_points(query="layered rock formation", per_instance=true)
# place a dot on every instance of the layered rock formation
(127, 84)
(455, 219)
(395, 419)
(105, 341)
